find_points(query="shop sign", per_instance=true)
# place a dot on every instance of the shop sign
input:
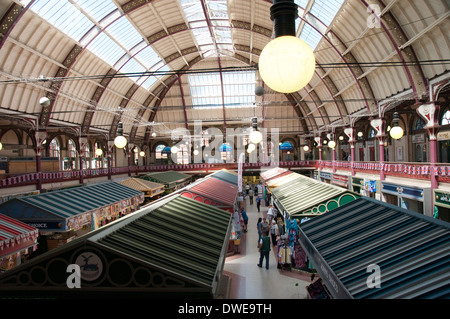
(91, 266)
(325, 175)
(370, 185)
(442, 198)
(418, 138)
(44, 225)
(443, 136)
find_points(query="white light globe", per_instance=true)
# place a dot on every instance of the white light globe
(255, 137)
(153, 134)
(195, 152)
(287, 64)
(251, 147)
(98, 152)
(120, 141)
(306, 148)
(174, 149)
(332, 144)
(44, 101)
(396, 132)
(1, 146)
(142, 153)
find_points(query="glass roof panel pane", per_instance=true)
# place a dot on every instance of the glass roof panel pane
(310, 36)
(124, 33)
(64, 16)
(325, 10)
(148, 57)
(97, 9)
(238, 87)
(132, 66)
(106, 48)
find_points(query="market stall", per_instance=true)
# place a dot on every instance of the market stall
(60, 214)
(273, 173)
(225, 175)
(17, 239)
(150, 189)
(221, 194)
(171, 180)
(371, 249)
(173, 248)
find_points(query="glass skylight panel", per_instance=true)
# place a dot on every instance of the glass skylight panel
(64, 16)
(310, 36)
(325, 10)
(124, 33)
(132, 66)
(96, 9)
(301, 3)
(238, 88)
(106, 48)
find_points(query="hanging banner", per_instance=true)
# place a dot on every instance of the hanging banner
(240, 163)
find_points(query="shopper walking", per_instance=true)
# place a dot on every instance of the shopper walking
(259, 228)
(258, 203)
(274, 232)
(264, 249)
(250, 194)
(270, 214)
(245, 218)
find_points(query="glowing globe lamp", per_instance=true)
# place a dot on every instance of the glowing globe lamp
(332, 144)
(120, 141)
(306, 148)
(396, 131)
(174, 149)
(287, 64)
(255, 137)
(98, 152)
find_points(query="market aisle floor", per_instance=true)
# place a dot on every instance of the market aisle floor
(248, 281)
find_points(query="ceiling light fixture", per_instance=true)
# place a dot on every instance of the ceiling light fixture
(120, 141)
(286, 63)
(396, 131)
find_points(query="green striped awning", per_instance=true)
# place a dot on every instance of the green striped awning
(304, 196)
(169, 178)
(369, 249)
(183, 237)
(77, 200)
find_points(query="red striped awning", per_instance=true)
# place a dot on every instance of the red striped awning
(216, 189)
(15, 235)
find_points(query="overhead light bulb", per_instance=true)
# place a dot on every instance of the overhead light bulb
(142, 153)
(120, 141)
(306, 148)
(195, 152)
(1, 146)
(255, 137)
(332, 144)
(396, 131)
(98, 152)
(153, 134)
(251, 146)
(174, 149)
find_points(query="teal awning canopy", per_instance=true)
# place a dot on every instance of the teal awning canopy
(351, 245)
(286, 146)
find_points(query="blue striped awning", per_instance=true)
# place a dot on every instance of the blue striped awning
(411, 251)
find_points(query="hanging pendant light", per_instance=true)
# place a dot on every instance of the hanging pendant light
(286, 63)
(120, 141)
(396, 132)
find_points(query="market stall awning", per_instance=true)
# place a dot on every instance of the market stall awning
(304, 196)
(212, 191)
(226, 175)
(142, 185)
(411, 251)
(68, 208)
(15, 236)
(273, 172)
(170, 179)
(283, 179)
(175, 247)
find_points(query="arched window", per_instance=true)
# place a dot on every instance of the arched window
(445, 120)
(419, 125)
(372, 133)
(158, 150)
(54, 149)
(226, 152)
(72, 149)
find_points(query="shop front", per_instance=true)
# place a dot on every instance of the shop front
(366, 186)
(442, 204)
(150, 189)
(341, 180)
(417, 199)
(325, 177)
(368, 249)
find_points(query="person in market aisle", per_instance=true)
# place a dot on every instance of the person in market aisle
(259, 228)
(265, 225)
(274, 232)
(258, 203)
(250, 195)
(245, 218)
(270, 214)
(264, 249)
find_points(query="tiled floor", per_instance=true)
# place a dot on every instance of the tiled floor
(248, 281)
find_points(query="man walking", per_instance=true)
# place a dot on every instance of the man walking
(250, 194)
(264, 249)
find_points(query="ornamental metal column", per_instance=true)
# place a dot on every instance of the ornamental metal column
(379, 126)
(40, 137)
(350, 132)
